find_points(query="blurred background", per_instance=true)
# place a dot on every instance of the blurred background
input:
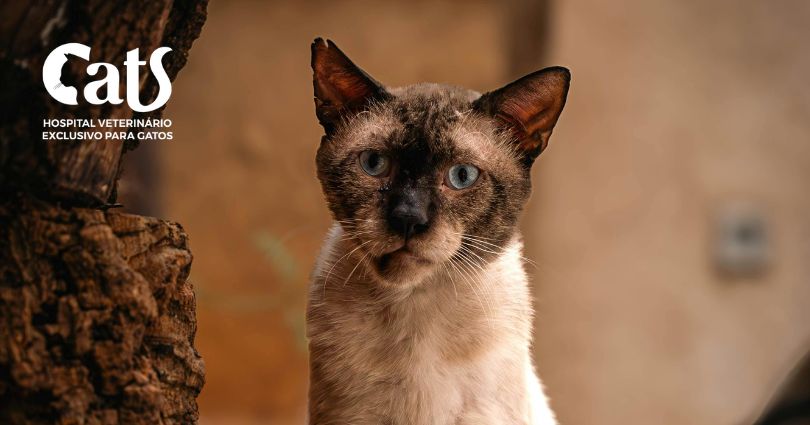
(670, 219)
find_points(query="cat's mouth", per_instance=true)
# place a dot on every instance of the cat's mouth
(399, 255)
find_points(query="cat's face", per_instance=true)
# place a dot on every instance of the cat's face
(424, 174)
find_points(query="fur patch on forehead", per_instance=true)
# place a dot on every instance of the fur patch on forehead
(477, 135)
(375, 123)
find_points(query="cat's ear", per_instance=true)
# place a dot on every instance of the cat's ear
(529, 108)
(341, 87)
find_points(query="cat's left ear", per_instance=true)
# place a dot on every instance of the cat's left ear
(341, 87)
(529, 108)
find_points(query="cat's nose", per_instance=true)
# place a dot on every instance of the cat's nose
(409, 217)
(408, 221)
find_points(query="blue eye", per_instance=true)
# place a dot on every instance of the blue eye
(462, 176)
(374, 163)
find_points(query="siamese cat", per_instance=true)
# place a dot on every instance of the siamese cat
(419, 309)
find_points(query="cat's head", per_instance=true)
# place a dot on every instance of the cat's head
(423, 174)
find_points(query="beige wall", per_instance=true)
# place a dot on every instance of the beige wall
(677, 110)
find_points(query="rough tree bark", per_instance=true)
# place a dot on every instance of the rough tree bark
(97, 319)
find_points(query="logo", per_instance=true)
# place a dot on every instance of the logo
(52, 71)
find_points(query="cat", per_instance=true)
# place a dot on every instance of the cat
(419, 309)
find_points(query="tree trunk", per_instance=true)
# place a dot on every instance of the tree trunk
(97, 319)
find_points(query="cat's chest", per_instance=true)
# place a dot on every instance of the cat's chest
(419, 343)
(426, 389)
(415, 370)
(407, 382)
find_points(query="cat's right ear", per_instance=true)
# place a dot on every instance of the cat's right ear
(341, 87)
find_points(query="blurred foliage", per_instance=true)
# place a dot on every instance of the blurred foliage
(288, 300)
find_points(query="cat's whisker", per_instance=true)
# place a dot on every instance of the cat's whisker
(352, 231)
(354, 221)
(470, 251)
(466, 281)
(484, 248)
(479, 237)
(329, 274)
(481, 244)
(545, 267)
(452, 281)
(471, 280)
(479, 272)
(355, 235)
(360, 261)
(482, 240)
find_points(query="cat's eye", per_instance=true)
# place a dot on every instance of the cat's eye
(462, 176)
(374, 163)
